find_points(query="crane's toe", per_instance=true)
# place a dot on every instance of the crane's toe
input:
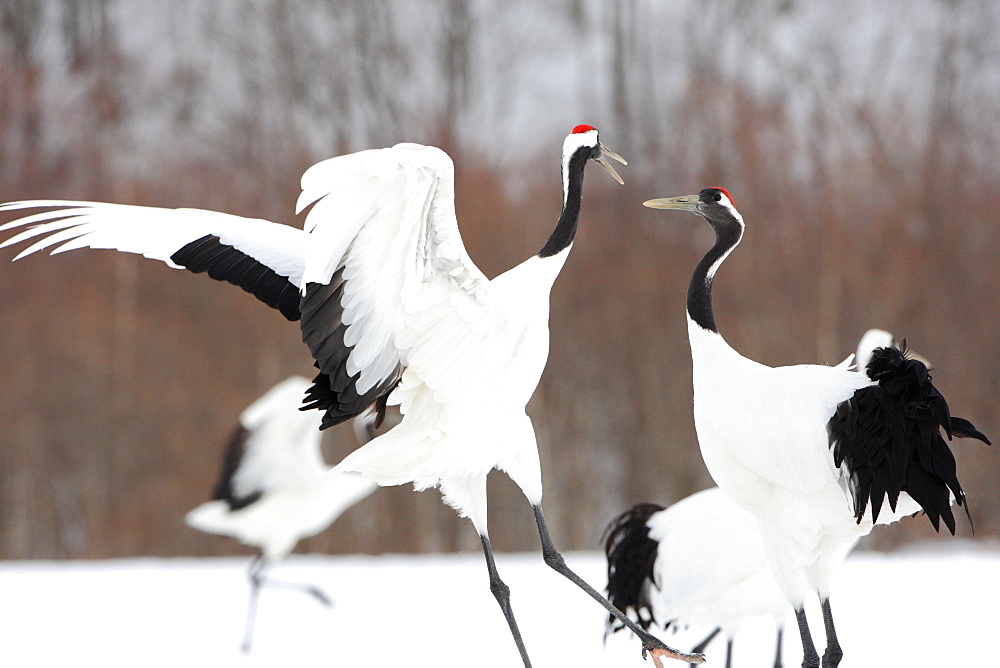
(658, 651)
(320, 596)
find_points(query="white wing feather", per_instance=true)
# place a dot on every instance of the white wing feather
(387, 218)
(153, 232)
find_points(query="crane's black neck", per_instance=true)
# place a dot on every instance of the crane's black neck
(728, 232)
(565, 231)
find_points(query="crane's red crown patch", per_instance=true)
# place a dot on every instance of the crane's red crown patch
(726, 193)
(582, 128)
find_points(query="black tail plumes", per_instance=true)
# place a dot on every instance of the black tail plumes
(631, 554)
(889, 437)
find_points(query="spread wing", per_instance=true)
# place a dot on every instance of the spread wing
(388, 283)
(264, 258)
(379, 277)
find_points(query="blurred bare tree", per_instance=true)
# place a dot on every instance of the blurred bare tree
(861, 142)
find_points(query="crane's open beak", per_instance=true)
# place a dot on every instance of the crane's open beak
(685, 203)
(603, 162)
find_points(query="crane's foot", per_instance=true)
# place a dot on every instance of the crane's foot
(832, 657)
(658, 651)
(320, 596)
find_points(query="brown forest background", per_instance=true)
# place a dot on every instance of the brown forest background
(861, 143)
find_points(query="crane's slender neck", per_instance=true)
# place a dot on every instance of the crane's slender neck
(565, 231)
(728, 232)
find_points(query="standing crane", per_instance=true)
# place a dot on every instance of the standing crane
(813, 451)
(719, 580)
(275, 489)
(393, 310)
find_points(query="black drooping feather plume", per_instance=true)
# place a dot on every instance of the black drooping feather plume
(631, 554)
(889, 437)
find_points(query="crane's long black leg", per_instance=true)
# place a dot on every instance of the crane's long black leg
(255, 576)
(833, 653)
(810, 658)
(651, 644)
(729, 653)
(502, 594)
(700, 647)
(777, 652)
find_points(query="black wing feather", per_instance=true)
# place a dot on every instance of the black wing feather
(962, 428)
(334, 390)
(231, 460)
(225, 263)
(889, 437)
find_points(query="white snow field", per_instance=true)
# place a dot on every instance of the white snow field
(931, 607)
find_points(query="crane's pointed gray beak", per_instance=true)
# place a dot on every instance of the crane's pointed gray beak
(684, 203)
(602, 160)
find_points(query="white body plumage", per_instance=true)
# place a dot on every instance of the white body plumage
(721, 577)
(763, 438)
(453, 434)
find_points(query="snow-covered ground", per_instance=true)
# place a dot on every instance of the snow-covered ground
(913, 609)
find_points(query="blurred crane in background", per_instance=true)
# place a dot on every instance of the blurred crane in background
(275, 489)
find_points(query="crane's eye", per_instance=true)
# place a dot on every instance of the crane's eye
(717, 196)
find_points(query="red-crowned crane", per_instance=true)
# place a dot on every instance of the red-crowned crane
(813, 451)
(275, 489)
(719, 580)
(386, 295)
